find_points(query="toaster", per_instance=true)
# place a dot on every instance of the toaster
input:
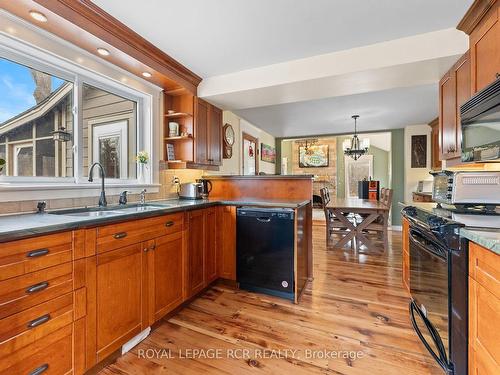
(191, 190)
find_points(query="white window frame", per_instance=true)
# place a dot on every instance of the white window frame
(110, 129)
(18, 52)
(347, 161)
(16, 148)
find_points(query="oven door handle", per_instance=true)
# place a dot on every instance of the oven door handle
(426, 244)
(441, 357)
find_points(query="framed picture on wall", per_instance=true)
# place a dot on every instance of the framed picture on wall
(267, 153)
(419, 151)
(313, 156)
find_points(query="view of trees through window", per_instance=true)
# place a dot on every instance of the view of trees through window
(33, 105)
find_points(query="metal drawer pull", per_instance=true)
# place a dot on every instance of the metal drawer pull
(120, 235)
(40, 370)
(169, 223)
(37, 287)
(37, 253)
(38, 321)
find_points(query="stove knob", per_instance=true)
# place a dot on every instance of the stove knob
(435, 221)
(410, 211)
(450, 188)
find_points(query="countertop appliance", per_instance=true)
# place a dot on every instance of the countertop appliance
(480, 120)
(438, 287)
(467, 187)
(207, 187)
(265, 250)
(191, 190)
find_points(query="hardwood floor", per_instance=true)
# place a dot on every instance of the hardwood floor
(356, 310)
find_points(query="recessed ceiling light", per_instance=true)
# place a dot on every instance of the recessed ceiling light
(40, 17)
(103, 51)
(146, 74)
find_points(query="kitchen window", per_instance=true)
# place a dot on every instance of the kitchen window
(102, 121)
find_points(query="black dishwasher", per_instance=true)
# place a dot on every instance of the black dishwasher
(265, 250)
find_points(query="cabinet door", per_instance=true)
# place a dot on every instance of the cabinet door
(215, 136)
(484, 336)
(485, 50)
(462, 93)
(406, 255)
(118, 297)
(210, 245)
(447, 115)
(201, 133)
(167, 285)
(196, 249)
(226, 242)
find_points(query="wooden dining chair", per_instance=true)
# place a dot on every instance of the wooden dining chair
(381, 224)
(333, 224)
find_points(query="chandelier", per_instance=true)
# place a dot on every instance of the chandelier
(306, 144)
(354, 147)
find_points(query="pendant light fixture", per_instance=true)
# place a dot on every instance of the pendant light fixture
(354, 147)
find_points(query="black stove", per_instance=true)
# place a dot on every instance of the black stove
(439, 283)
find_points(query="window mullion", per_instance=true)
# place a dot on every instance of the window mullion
(78, 130)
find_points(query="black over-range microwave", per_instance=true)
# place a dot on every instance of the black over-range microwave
(480, 119)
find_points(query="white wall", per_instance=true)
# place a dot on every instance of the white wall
(413, 175)
(234, 165)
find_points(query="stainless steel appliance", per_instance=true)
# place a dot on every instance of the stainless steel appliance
(467, 188)
(480, 120)
(207, 186)
(438, 287)
(265, 250)
(191, 190)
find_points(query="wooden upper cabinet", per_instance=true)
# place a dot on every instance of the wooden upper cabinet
(166, 287)
(454, 90)
(195, 253)
(485, 50)
(215, 136)
(208, 134)
(435, 162)
(201, 133)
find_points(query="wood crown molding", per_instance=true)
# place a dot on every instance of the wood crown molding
(475, 13)
(101, 24)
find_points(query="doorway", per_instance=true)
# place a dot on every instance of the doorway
(250, 159)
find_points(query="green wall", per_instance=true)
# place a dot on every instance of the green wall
(398, 172)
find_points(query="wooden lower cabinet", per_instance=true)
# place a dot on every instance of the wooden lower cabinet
(119, 297)
(202, 250)
(406, 255)
(226, 242)
(166, 260)
(210, 245)
(484, 311)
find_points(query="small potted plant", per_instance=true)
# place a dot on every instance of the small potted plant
(2, 164)
(142, 160)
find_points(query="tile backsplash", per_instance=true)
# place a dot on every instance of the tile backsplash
(168, 190)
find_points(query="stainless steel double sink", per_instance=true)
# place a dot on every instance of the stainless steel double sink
(111, 210)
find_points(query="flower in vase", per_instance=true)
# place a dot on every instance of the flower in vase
(142, 157)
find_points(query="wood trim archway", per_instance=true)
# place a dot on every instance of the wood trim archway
(248, 137)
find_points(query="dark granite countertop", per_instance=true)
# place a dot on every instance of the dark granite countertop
(18, 226)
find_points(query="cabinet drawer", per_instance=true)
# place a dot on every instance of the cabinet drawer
(162, 225)
(24, 328)
(33, 254)
(50, 355)
(484, 267)
(22, 292)
(111, 237)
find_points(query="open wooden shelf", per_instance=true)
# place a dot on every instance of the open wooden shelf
(177, 164)
(178, 138)
(178, 115)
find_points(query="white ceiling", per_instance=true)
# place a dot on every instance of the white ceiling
(222, 36)
(381, 110)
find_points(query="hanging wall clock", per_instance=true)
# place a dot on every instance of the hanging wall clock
(228, 137)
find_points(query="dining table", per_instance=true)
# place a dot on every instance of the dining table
(368, 210)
